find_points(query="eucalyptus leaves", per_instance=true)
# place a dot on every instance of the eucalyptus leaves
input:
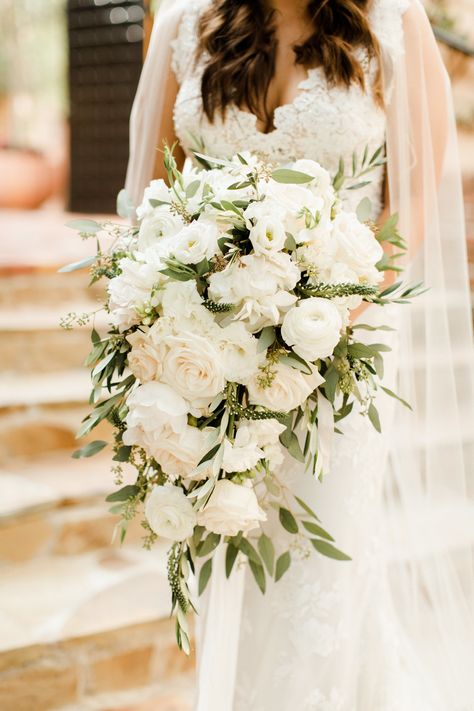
(230, 341)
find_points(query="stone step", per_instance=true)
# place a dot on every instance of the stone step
(44, 286)
(56, 506)
(32, 340)
(89, 631)
(62, 387)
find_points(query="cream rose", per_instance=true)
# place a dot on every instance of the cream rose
(143, 359)
(312, 328)
(192, 366)
(230, 509)
(179, 453)
(289, 388)
(169, 513)
(357, 246)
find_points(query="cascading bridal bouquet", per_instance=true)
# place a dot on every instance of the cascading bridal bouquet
(230, 341)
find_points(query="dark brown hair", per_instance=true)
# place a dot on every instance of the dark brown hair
(238, 37)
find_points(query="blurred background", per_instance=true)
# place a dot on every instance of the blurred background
(84, 622)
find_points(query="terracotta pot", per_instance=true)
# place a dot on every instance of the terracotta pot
(26, 179)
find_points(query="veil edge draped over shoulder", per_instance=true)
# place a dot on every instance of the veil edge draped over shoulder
(430, 486)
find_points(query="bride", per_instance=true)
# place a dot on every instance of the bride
(393, 629)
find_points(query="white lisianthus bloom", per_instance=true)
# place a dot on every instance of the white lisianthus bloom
(179, 453)
(264, 209)
(152, 408)
(131, 290)
(312, 328)
(289, 388)
(259, 286)
(243, 453)
(231, 508)
(156, 190)
(161, 222)
(267, 235)
(193, 367)
(143, 359)
(294, 199)
(169, 513)
(196, 241)
(322, 183)
(357, 246)
(239, 352)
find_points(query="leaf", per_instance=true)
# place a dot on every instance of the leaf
(397, 397)
(87, 262)
(288, 521)
(202, 267)
(374, 417)
(83, 225)
(123, 454)
(209, 455)
(282, 565)
(317, 530)
(247, 549)
(295, 361)
(101, 365)
(258, 574)
(266, 338)
(89, 449)
(360, 350)
(230, 558)
(123, 494)
(339, 177)
(192, 188)
(285, 175)
(366, 327)
(329, 550)
(267, 551)
(204, 575)
(208, 545)
(364, 209)
(290, 242)
(125, 206)
(289, 440)
(331, 379)
(177, 276)
(306, 508)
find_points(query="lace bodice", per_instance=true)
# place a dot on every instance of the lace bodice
(323, 123)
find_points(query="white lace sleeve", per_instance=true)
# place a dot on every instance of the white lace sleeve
(185, 45)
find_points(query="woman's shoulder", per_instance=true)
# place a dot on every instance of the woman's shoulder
(185, 44)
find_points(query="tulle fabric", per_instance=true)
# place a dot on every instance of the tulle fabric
(402, 628)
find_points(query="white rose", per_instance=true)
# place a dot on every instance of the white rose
(357, 246)
(243, 453)
(131, 290)
(230, 509)
(181, 301)
(159, 223)
(289, 389)
(152, 408)
(156, 190)
(267, 235)
(192, 366)
(179, 453)
(169, 513)
(143, 359)
(239, 349)
(312, 328)
(196, 241)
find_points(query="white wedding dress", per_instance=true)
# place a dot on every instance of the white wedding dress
(390, 630)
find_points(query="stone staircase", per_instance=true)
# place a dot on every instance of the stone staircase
(84, 622)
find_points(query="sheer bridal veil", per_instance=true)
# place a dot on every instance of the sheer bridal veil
(429, 492)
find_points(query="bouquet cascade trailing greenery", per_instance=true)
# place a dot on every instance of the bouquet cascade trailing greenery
(230, 341)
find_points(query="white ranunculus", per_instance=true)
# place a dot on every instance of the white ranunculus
(179, 453)
(243, 453)
(131, 290)
(192, 366)
(289, 389)
(231, 508)
(143, 359)
(196, 241)
(357, 246)
(161, 222)
(169, 513)
(267, 235)
(312, 328)
(152, 408)
(239, 349)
